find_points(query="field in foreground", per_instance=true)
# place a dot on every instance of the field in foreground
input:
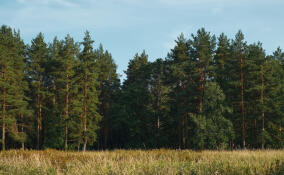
(142, 162)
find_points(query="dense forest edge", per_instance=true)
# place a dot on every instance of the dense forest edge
(210, 92)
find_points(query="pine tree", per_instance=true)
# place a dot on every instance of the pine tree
(37, 56)
(6, 72)
(65, 80)
(108, 83)
(135, 101)
(12, 86)
(221, 58)
(210, 129)
(255, 87)
(237, 82)
(53, 121)
(202, 47)
(273, 100)
(160, 103)
(181, 86)
(89, 93)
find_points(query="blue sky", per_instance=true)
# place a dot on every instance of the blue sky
(125, 27)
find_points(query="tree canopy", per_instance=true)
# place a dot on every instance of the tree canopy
(208, 93)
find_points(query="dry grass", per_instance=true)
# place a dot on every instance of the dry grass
(142, 162)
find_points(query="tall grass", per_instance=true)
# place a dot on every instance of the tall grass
(134, 162)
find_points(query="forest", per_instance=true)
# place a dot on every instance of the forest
(210, 92)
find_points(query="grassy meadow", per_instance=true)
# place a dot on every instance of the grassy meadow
(142, 162)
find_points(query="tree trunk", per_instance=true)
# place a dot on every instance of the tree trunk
(22, 130)
(255, 131)
(66, 137)
(105, 133)
(66, 113)
(4, 113)
(3, 120)
(78, 146)
(183, 132)
(186, 131)
(179, 129)
(280, 131)
(3, 124)
(85, 145)
(262, 110)
(39, 125)
(183, 124)
(242, 104)
(85, 113)
(201, 89)
(158, 123)
(158, 108)
(54, 92)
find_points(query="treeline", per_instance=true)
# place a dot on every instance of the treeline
(208, 93)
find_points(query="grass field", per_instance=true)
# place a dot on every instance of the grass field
(142, 162)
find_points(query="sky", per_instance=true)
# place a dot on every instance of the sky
(126, 27)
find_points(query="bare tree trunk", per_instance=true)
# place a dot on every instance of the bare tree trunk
(78, 146)
(66, 137)
(255, 130)
(80, 136)
(179, 133)
(105, 133)
(54, 92)
(223, 73)
(4, 113)
(280, 131)
(183, 132)
(158, 108)
(242, 104)
(3, 119)
(3, 122)
(158, 123)
(183, 124)
(22, 130)
(186, 131)
(66, 113)
(201, 88)
(85, 145)
(85, 113)
(262, 110)
(39, 127)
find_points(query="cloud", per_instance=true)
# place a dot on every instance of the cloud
(212, 2)
(169, 45)
(172, 36)
(21, 1)
(217, 10)
(125, 25)
(191, 2)
(65, 3)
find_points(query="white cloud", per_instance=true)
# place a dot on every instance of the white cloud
(65, 3)
(217, 10)
(170, 43)
(21, 1)
(190, 2)
(211, 2)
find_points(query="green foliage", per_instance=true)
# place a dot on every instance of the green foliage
(87, 92)
(13, 86)
(206, 94)
(211, 130)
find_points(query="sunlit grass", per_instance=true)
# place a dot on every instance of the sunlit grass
(142, 162)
